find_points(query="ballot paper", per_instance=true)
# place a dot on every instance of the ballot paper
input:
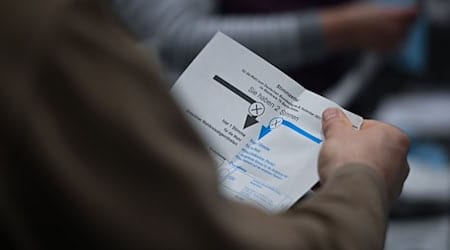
(263, 129)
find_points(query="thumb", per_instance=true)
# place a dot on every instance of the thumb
(334, 121)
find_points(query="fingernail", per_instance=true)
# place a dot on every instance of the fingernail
(331, 113)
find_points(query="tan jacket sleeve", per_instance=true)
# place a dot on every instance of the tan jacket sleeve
(95, 155)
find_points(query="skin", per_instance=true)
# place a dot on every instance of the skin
(378, 146)
(367, 26)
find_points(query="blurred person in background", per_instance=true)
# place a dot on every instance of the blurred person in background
(311, 40)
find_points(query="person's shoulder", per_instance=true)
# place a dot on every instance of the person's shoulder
(27, 25)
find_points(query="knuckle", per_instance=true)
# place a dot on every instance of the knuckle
(396, 133)
(387, 131)
(402, 137)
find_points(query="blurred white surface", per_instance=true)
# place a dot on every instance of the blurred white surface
(420, 114)
(425, 234)
(427, 183)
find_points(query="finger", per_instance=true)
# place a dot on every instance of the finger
(369, 123)
(401, 182)
(407, 170)
(334, 121)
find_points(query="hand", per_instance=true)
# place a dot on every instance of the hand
(368, 27)
(378, 146)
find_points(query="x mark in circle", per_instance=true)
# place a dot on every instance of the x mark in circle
(275, 123)
(256, 109)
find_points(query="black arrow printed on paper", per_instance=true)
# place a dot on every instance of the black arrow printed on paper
(234, 89)
(251, 120)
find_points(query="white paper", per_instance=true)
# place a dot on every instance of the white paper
(263, 128)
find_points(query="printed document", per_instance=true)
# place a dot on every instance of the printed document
(263, 129)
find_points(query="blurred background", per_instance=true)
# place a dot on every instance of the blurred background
(384, 59)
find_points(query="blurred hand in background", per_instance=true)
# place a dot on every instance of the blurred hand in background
(367, 26)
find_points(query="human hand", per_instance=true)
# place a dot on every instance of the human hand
(367, 26)
(378, 146)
